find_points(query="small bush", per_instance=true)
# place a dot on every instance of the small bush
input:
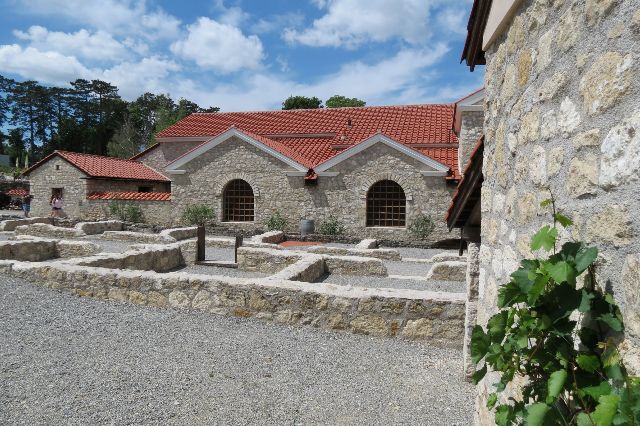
(127, 212)
(276, 222)
(331, 226)
(422, 227)
(198, 214)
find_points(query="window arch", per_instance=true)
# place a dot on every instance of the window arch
(237, 202)
(386, 204)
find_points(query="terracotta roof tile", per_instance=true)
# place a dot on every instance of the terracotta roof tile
(99, 166)
(137, 196)
(310, 136)
(17, 192)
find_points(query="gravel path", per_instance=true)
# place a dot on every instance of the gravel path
(69, 360)
(215, 270)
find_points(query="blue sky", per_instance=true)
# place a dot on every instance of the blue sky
(244, 54)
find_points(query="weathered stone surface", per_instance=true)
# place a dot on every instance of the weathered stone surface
(611, 225)
(178, 299)
(583, 176)
(35, 250)
(524, 67)
(66, 248)
(352, 265)
(530, 129)
(446, 256)
(177, 234)
(606, 81)
(586, 139)
(202, 300)
(551, 86)
(370, 324)
(544, 54)
(448, 271)
(597, 9)
(631, 286)
(266, 260)
(271, 237)
(12, 224)
(387, 254)
(418, 329)
(555, 160)
(621, 153)
(368, 243)
(139, 237)
(91, 228)
(46, 230)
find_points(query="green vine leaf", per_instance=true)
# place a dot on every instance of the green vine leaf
(589, 363)
(479, 375)
(555, 384)
(536, 413)
(491, 400)
(596, 392)
(546, 203)
(545, 238)
(606, 409)
(563, 220)
(479, 344)
(585, 258)
(584, 420)
(504, 415)
(561, 271)
(611, 321)
(585, 301)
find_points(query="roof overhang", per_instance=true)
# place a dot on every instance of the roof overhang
(175, 167)
(473, 102)
(464, 206)
(435, 167)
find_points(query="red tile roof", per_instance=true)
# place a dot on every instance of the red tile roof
(17, 192)
(137, 196)
(311, 136)
(98, 166)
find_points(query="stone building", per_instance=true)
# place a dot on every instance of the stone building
(375, 169)
(562, 115)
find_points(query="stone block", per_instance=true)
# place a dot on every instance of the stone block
(620, 149)
(606, 81)
(370, 324)
(177, 234)
(631, 285)
(351, 265)
(271, 237)
(612, 225)
(448, 271)
(368, 243)
(12, 224)
(91, 228)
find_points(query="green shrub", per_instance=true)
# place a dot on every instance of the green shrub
(558, 328)
(421, 227)
(276, 222)
(331, 226)
(127, 212)
(198, 214)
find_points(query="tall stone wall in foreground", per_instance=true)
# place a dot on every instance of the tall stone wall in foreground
(563, 114)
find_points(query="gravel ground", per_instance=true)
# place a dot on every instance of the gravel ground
(419, 253)
(390, 282)
(407, 268)
(106, 245)
(229, 272)
(69, 360)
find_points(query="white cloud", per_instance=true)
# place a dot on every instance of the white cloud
(403, 78)
(219, 47)
(45, 67)
(278, 22)
(349, 23)
(114, 16)
(96, 46)
(148, 75)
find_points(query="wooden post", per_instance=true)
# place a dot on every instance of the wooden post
(200, 244)
(238, 244)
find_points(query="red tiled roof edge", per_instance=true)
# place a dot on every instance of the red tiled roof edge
(133, 196)
(145, 151)
(472, 159)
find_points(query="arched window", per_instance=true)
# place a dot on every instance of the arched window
(386, 204)
(237, 202)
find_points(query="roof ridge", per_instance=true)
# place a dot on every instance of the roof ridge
(450, 104)
(98, 155)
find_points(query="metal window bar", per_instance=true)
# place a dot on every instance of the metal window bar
(386, 204)
(238, 202)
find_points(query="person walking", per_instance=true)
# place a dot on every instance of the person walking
(56, 206)
(26, 204)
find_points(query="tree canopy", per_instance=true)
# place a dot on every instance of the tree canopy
(339, 101)
(301, 102)
(89, 116)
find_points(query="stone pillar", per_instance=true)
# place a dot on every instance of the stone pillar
(473, 274)
(470, 131)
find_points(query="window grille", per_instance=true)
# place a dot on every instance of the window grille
(386, 204)
(237, 202)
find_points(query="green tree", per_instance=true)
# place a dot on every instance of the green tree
(126, 141)
(301, 102)
(339, 101)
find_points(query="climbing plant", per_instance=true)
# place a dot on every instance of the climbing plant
(557, 332)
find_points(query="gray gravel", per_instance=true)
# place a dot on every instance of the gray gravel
(106, 245)
(69, 360)
(420, 253)
(389, 282)
(407, 268)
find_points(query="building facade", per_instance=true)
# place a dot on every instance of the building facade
(562, 117)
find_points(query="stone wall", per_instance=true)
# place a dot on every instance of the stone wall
(12, 224)
(165, 153)
(156, 212)
(343, 196)
(151, 258)
(110, 185)
(57, 173)
(426, 316)
(563, 114)
(471, 129)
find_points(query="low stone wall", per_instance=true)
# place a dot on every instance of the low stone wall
(448, 271)
(188, 247)
(436, 318)
(447, 257)
(180, 233)
(353, 265)
(31, 250)
(387, 254)
(12, 224)
(68, 249)
(307, 269)
(139, 237)
(271, 237)
(46, 230)
(368, 243)
(92, 228)
(154, 258)
(266, 260)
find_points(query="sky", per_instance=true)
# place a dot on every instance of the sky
(244, 55)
